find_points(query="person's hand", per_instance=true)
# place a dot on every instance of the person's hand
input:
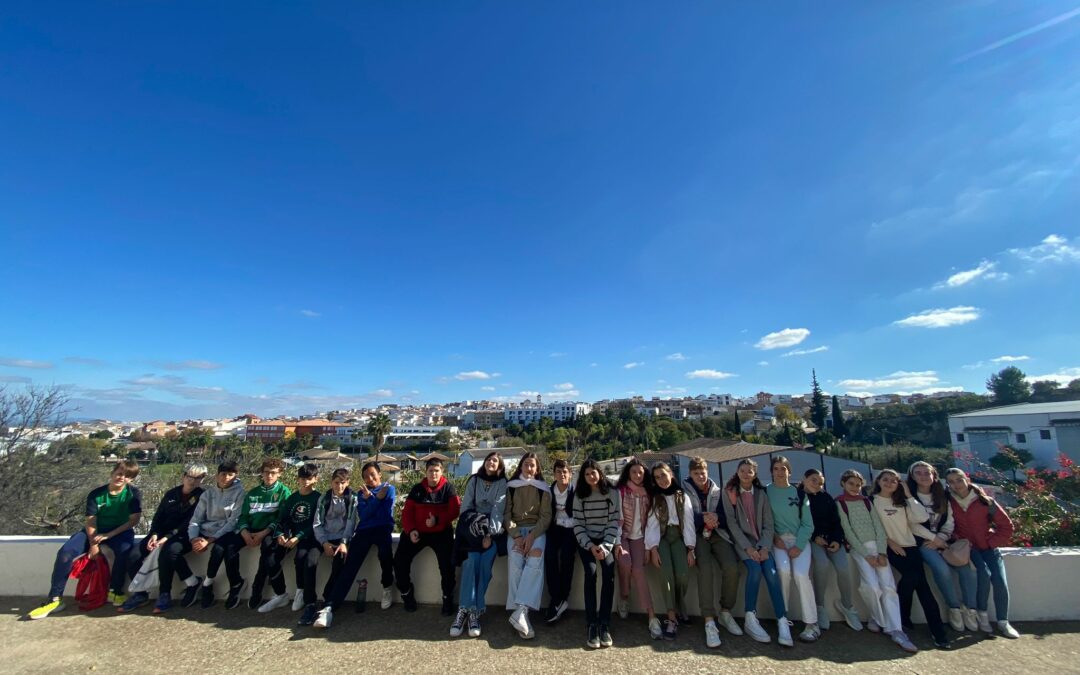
(752, 552)
(619, 551)
(820, 541)
(598, 552)
(872, 560)
(779, 543)
(98, 538)
(151, 542)
(342, 550)
(431, 520)
(93, 551)
(528, 545)
(414, 537)
(691, 559)
(328, 549)
(199, 544)
(291, 542)
(762, 555)
(907, 490)
(654, 558)
(710, 519)
(260, 536)
(936, 544)
(281, 540)
(883, 560)
(794, 552)
(383, 490)
(486, 543)
(364, 491)
(897, 549)
(834, 547)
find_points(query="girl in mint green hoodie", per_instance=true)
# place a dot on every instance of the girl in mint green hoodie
(793, 525)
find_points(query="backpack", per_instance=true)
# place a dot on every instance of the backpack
(865, 501)
(93, 588)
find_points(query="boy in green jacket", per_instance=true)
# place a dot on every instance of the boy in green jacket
(258, 522)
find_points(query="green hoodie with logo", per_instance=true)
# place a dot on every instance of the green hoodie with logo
(262, 506)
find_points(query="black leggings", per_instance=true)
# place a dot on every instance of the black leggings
(440, 542)
(172, 563)
(227, 548)
(308, 554)
(913, 580)
(559, 562)
(270, 556)
(607, 586)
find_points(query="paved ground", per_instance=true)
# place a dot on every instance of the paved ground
(242, 640)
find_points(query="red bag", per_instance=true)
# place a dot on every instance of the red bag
(92, 590)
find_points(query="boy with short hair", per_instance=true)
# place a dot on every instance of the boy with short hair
(295, 531)
(257, 526)
(427, 520)
(112, 512)
(213, 528)
(168, 529)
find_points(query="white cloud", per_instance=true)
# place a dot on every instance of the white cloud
(901, 379)
(487, 388)
(677, 356)
(310, 313)
(709, 374)
(633, 364)
(941, 318)
(928, 391)
(858, 394)
(1010, 359)
(763, 363)
(528, 394)
(789, 337)
(475, 375)
(25, 363)
(565, 386)
(563, 394)
(555, 355)
(804, 352)
(671, 391)
(1063, 376)
(1053, 248)
(985, 270)
(593, 364)
(193, 364)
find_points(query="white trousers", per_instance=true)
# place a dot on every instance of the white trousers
(799, 571)
(878, 589)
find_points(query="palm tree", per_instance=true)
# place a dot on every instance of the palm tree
(378, 428)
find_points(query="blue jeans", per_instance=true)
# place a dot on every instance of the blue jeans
(943, 578)
(78, 544)
(990, 571)
(525, 573)
(475, 577)
(754, 572)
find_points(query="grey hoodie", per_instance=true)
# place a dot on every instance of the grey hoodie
(217, 511)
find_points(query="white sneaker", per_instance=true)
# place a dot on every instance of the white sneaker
(528, 633)
(298, 600)
(823, 620)
(984, 622)
(956, 619)
(728, 622)
(1006, 629)
(655, 630)
(458, 626)
(325, 618)
(712, 635)
(516, 620)
(873, 626)
(971, 620)
(810, 633)
(474, 625)
(904, 643)
(783, 635)
(387, 597)
(624, 607)
(753, 628)
(851, 617)
(274, 602)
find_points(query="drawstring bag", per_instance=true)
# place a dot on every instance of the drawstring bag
(147, 576)
(958, 553)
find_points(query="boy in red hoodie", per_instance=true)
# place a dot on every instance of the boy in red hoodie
(427, 520)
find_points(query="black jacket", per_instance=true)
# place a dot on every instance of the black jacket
(174, 512)
(826, 517)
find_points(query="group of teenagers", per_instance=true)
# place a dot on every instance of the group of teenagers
(646, 525)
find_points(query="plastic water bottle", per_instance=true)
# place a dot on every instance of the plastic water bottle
(361, 595)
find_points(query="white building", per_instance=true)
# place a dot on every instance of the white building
(470, 460)
(1043, 429)
(558, 412)
(399, 435)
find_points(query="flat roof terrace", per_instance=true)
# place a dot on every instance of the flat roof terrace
(242, 640)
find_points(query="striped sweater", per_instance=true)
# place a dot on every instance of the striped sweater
(596, 519)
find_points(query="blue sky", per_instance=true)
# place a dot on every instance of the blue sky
(211, 210)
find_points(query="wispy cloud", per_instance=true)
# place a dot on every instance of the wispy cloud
(302, 385)
(25, 363)
(633, 364)
(487, 388)
(475, 375)
(1019, 35)
(763, 363)
(677, 356)
(310, 313)
(789, 337)
(1063, 376)
(985, 270)
(901, 379)
(84, 361)
(193, 364)
(14, 379)
(565, 386)
(940, 318)
(1052, 249)
(556, 355)
(1010, 359)
(709, 374)
(804, 352)
(671, 391)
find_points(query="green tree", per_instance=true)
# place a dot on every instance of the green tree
(1009, 386)
(103, 435)
(818, 407)
(1010, 458)
(378, 428)
(839, 426)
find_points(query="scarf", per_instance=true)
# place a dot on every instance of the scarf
(523, 482)
(965, 502)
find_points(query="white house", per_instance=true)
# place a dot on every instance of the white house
(471, 459)
(1043, 429)
(558, 412)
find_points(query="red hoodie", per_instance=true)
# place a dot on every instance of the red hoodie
(974, 524)
(442, 501)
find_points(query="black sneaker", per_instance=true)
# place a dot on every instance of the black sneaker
(254, 601)
(408, 600)
(556, 611)
(191, 593)
(233, 601)
(308, 617)
(670, 629)
(943, 643)
(207, 594)
(605, 636)
(447, 606)
(594, 637)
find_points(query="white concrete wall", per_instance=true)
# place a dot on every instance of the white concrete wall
(1042, 580)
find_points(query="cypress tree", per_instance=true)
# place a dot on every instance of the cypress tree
(839, 426)
(817, 404)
